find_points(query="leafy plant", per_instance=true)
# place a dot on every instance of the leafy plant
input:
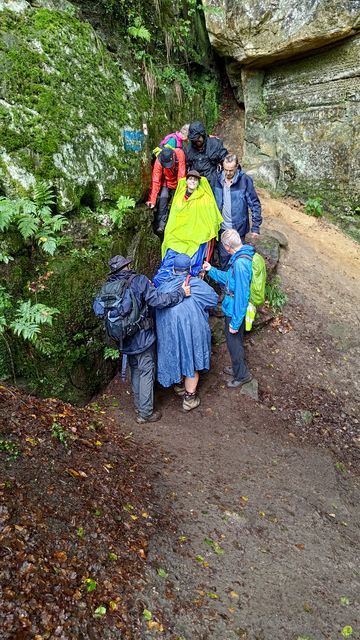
(139, 31)
(111, 354)
(58, 432)
(313, 207)
(123, 205)
(33, 218)
(274, 294)
(10, 448)
(29, 317)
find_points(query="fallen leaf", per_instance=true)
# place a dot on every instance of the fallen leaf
(300, 546)
(155, 625)
(147, 615)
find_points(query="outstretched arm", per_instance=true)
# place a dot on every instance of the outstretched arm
(155, 298)
(215, 274)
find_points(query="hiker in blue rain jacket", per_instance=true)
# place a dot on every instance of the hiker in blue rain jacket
(183, 334)
(235, 194)
(237, 281)
(140, 348)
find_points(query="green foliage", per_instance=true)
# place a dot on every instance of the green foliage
(29, 317)
(10, 448)
(138, 30)
(33, 218)
(313, 207)
(111, 354)
(123, 205)
(274, 295)
(58, 432)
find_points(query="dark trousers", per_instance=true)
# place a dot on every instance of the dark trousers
(163, 206)
(234, 342)
(142, 374)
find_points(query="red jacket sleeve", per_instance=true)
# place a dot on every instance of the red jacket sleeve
(156, 180)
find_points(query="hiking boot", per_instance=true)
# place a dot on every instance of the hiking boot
(179, 389)
(232, 384)
(153, 417)
(228, 371)
(190, 401)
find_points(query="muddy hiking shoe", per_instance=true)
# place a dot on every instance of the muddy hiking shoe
(154, 417)
(190, 401)
(179, 389)
(232, 384)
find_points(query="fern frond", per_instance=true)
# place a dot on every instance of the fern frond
(27, 330)
(8, 210)
(48, 244)
(124, 203)
(27, 206)
(140, 32)
(58, 222)
(43, 194)
(27, 225)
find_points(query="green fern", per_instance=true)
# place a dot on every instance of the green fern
(8, 210)
(28, 319)
(139, 31)
(43, 194)
(28, 225)
(123, 205)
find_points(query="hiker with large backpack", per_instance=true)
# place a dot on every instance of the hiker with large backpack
(235, 195)
(125, 302)
(241, 289)
(169, 167)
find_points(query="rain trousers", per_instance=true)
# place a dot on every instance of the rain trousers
(192, 223)
(183, 332)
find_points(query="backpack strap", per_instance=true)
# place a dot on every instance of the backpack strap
(227, 290)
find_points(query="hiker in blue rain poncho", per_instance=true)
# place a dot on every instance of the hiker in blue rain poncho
(184, 337)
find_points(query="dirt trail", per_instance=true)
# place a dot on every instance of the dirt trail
(258, 501)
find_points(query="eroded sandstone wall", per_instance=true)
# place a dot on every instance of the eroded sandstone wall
(296, 68)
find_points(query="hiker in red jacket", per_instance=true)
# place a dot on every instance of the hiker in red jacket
(168, 168)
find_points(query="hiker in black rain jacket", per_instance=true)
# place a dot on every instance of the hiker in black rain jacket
(140, 348)
(204, 153)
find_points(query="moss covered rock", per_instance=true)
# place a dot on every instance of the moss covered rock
(71, 96)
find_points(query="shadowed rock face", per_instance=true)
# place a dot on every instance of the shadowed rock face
(301, 98)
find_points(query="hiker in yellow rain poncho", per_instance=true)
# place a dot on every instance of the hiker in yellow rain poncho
(193, 224)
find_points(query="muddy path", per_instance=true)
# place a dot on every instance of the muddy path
(258, 500)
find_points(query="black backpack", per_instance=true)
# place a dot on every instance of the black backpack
(122, 315)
